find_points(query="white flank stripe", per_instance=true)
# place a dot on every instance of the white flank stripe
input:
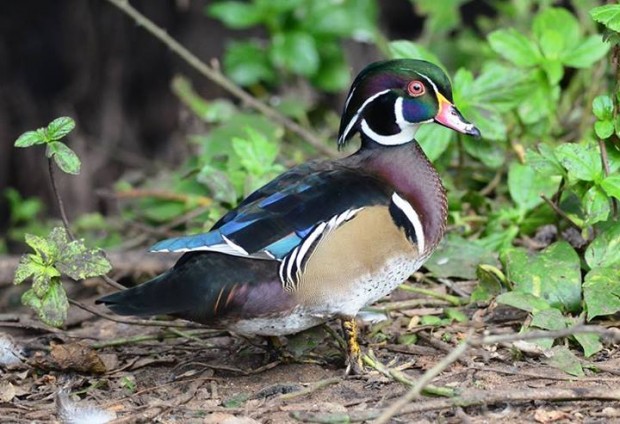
(235, 247)
(343, 137)
(413, 217)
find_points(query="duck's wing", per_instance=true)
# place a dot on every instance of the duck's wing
(275, 219)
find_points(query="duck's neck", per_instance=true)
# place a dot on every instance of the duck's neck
(408, 170)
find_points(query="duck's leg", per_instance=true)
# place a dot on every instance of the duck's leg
(354, 362)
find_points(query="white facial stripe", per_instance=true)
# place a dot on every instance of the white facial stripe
(413, 217)
(405, 136)
(343, 137)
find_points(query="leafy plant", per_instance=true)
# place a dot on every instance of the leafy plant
(304, 37)
(57, 254)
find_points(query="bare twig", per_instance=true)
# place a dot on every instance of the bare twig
(428, 376)
(560, 212)
(218, 78)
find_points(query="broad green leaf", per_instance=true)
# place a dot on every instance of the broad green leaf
(582, 161)
(604, 251)
(611, 185)
(596, 205)
(603, 107)
(219, 184)
(524, 301)
(515, 47)
(549, 319)
(404, 49)
(30, 138)
(492, 154)
(255, 152)
(212, 111)
(554, 274)
(295, 52)
(59, 128)
(554, 70)
(490, 283)
(586, 53)
(236, 14)
(42, 279)
(65, 158)
(544, 161)
(562, 358)
(247, 63)
(78, 261)
(440, 16)
(526, 186)
(591, 343)
(604, 129)
(434, 140)
(333, 74)
(52, 307)
(48, 251)
(458, 257)
(28, 266)
(601, 291)
(551, 44)
(608, 15)
(559, 22)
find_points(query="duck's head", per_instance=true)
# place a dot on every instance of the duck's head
(389, 100)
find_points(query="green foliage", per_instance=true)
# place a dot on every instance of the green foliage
(65, 158)
(53, 257)
(304, 37)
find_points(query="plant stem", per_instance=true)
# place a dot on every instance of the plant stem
(218, 78)
(453, 300)
(61, 205)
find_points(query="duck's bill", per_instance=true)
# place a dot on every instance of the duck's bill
(449, 116)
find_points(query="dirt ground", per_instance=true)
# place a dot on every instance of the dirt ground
(148, 374)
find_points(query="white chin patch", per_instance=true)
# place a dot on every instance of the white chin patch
(407, 129)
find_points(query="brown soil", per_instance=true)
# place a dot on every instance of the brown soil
(205, 376)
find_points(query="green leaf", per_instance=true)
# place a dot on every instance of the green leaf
(604, 251)
(434, 140)
(544, 161)
(219, 184)
(295, 52)
(246, 63)
(559, 22)
(526, 187)
(458, 257)
(596, 205)
(582, 161)
(405, 49)
(601, 291)
(591, 343)
(554, 274)
(524, 301)
(608, 15)
(604, 129)
(52, 306)
(562, 358)
(611, 185)
(490, 283)
(65, 158)
(515, 47)
(549, 319)
(586, 53)
(59, 128)
(79, 262)
(48, 251)
(30, 138)
(492, 154)
(603, 107)
(236, 14)
(28, 266)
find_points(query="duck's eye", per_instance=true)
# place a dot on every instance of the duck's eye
(415, 88)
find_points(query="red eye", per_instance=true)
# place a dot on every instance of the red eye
(416, 88)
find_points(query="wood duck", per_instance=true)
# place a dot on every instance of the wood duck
(325, 238)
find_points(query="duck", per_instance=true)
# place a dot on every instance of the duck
(327, 237)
